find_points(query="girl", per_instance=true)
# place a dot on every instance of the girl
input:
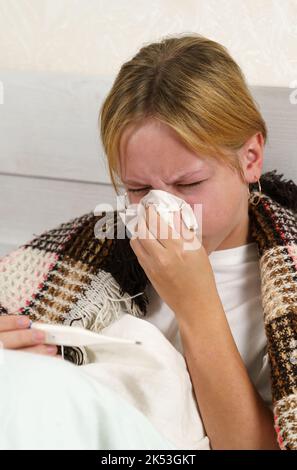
(180, 118)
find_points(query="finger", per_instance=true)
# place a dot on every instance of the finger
(186, 233)
(161, 229)
(44, 349)
(17, 339)
(179, 235)
(146, 239)
(145, 246)
(137, 246)
(190, 239)
(14, 322)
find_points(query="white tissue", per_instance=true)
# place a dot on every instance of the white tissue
(165, 204)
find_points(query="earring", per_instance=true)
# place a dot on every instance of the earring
(255, 196)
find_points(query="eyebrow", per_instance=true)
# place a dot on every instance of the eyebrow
(179, 178)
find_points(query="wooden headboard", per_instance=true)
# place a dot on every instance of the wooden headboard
(52, 166)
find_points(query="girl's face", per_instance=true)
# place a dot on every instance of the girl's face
(153, 157)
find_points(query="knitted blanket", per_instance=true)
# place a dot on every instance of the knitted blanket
(67, 275)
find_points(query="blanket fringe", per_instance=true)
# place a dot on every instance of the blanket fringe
(102, 303)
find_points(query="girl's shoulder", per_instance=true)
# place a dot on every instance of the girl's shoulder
(281, 190)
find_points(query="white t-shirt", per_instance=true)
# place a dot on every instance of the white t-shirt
(237, 276)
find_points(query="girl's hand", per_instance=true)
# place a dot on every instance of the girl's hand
(178, 268)
(16, 334)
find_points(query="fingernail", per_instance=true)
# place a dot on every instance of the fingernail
(38, 335)
(23, 321)
(51, 349)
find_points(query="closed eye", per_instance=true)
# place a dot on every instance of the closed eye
(137, 190)
(183, 185)
(191, 184)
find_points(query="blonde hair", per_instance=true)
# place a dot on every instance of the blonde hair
(193, 85)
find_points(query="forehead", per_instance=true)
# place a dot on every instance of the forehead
(155, 134)
(154, 147)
